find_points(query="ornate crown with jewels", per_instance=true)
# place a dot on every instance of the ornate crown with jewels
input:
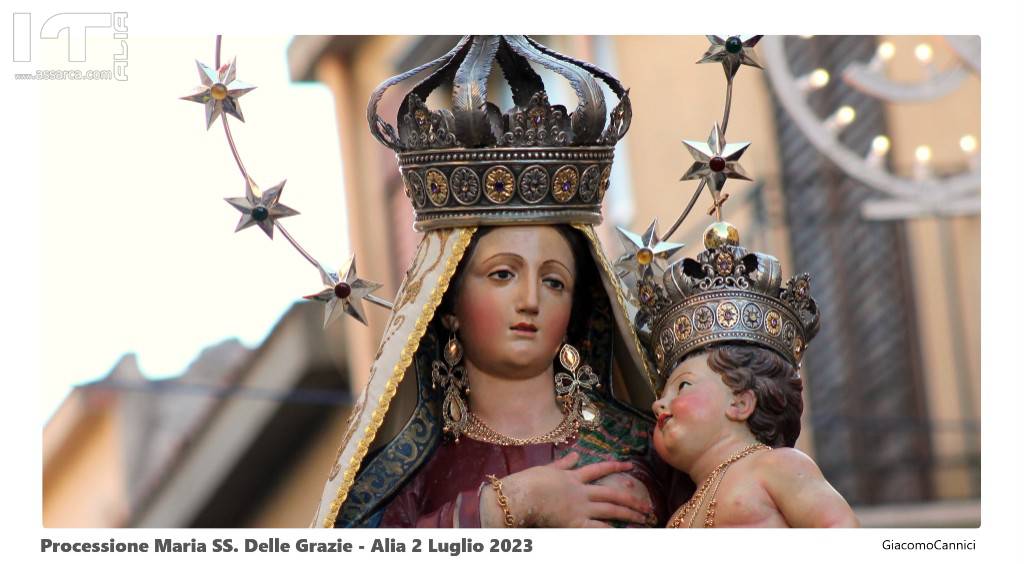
(727, 293)
(471, 164)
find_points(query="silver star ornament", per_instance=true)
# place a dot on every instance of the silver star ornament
(643, 251)
(261, 208)
(219, 92)
(732, 51)
(715, 161)
(343, 295)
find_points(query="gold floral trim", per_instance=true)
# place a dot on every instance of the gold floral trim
(565, 183)
(773, 323)
(437, 187)
(727, 315)
(588, 231)
(411, 344)
(682, 328)
(499, 175)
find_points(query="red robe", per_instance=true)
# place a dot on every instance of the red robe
(446, 491)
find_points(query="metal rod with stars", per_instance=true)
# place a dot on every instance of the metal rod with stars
(715, 161)
(732, 53)
(219, 94)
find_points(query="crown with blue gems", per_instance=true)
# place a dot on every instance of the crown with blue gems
(472, 164)
(726, 294)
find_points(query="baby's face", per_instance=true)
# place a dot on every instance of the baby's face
(691, 411)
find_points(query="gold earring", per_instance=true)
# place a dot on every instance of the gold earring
(452, 377)
(572, 386)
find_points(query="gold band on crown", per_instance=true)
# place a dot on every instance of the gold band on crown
(724, 316)
(500, 186)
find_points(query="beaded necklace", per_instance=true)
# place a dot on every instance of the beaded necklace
(692, 507)
(564, 432)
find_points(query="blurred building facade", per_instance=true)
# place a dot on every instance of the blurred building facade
(892, 384)
(243, 439)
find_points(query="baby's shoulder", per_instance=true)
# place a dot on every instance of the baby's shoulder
(785, 463)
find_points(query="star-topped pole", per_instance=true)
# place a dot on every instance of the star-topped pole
(643, 251)
(714, 167)
(219, 93)
(715, 161)
(345, 294)
(732, 51)
(261, 208)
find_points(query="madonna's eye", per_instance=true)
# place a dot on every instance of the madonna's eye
(555, 283)
(683, 384)
(501, 274)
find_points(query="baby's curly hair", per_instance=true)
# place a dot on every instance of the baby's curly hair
(776, 385)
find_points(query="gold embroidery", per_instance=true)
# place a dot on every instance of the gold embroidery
(404, 295)
(408, 351)
(393, 326)
(588, 230)
(415, 278)
(597, 441)
(350, 428)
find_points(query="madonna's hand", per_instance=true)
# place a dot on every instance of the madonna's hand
(558, 495)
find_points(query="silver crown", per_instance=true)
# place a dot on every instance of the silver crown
(726, 294)
(471, 164)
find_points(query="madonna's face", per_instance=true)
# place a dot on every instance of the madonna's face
(515, 299)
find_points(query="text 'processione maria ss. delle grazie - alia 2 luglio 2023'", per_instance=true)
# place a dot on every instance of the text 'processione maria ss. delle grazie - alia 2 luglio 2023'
(275, 544)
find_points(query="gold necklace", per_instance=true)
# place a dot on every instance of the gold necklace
(562, 433)
(715, 477)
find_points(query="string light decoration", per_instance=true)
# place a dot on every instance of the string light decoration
(923, 192)
(219, 93)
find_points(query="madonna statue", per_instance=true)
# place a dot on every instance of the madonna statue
(509, 388)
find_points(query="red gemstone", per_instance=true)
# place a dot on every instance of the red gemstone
(717, 164)
(342, 290)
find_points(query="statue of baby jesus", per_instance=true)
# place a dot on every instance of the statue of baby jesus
(729, 416)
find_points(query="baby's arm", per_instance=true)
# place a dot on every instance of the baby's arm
(801, 493)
